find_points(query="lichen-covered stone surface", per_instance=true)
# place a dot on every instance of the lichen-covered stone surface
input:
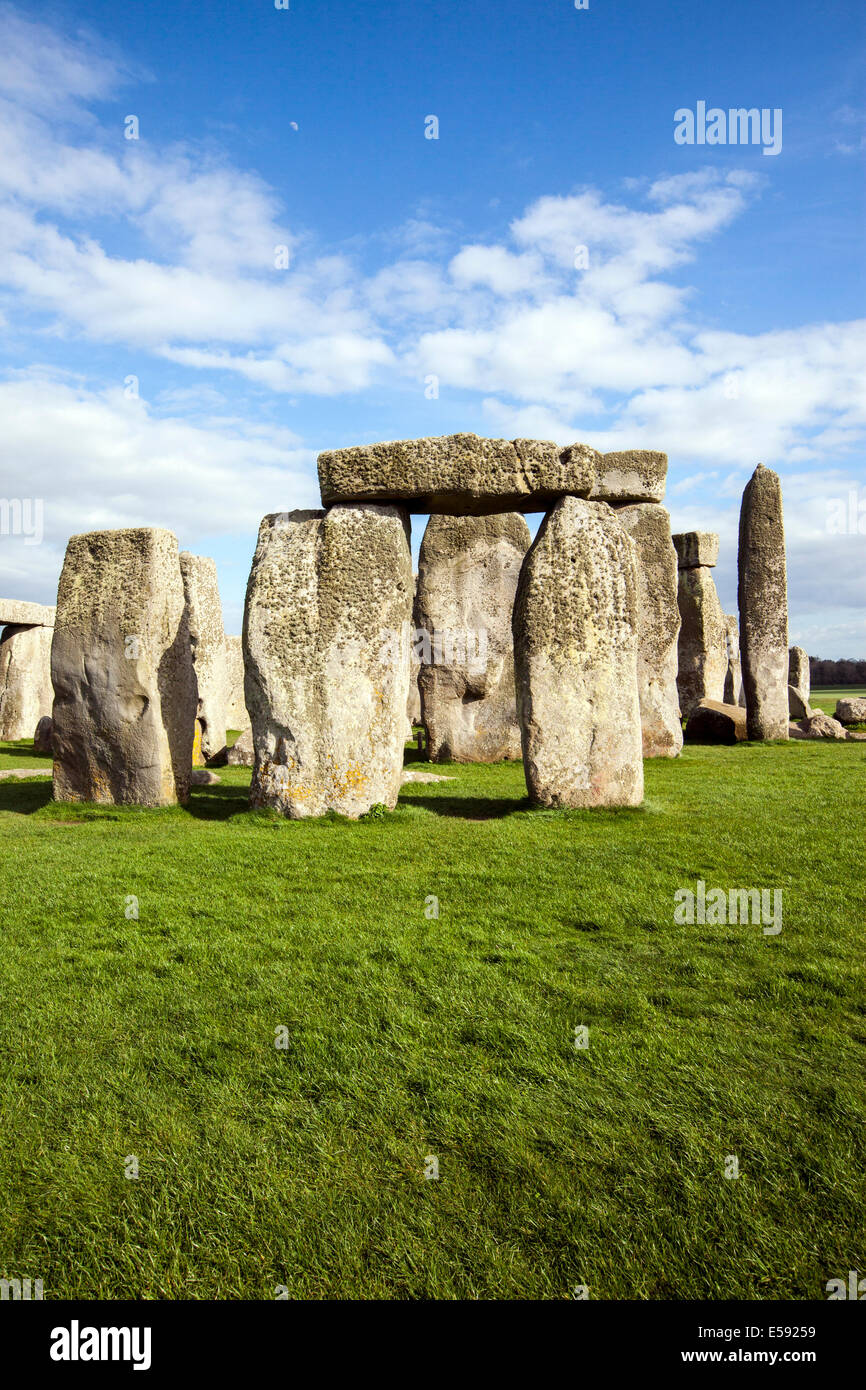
(696, 549)
(467, 578)
(649, 526)
(326, 651)
(763, 603)
(121, 664)
(458, 473)
(26, 693)
(632, 475)
(207, 640)
(703, 646)
(575, 630)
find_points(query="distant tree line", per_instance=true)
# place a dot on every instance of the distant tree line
(847, 672)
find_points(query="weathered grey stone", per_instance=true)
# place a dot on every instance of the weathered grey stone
(242, 752)
(203, 777)
(715, 721)
(818, 725)
(634, 475)
(458, 473)
(20, 613)
(326, 650)
(649, 526)
(762, 596)
(734, 694)
(851, 711)
(696, 549)
(125, 691)
(208, 643)
(25, 680)
(798, 707)
(43, 737)
(575, 630)
(703, 641)
(467, 578)
(236, 709)
(798, 671)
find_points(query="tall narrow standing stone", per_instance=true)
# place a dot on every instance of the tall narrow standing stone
(26, 694)
(326, 651)
(207, 639)
(763, 602)
(124, 685)
(649, 526)
(576, 660)
(236, 708)
(703, 642)
(467, 578)
(734, 676)
(798, 671)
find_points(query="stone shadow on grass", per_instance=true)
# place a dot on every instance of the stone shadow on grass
(23, 798)
(218, 803)
(470, 807)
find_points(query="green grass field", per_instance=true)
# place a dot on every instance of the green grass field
(409, 1035)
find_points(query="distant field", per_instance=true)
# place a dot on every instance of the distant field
(410, 1037)
(824, 697)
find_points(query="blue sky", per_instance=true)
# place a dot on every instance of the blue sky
(719, 315)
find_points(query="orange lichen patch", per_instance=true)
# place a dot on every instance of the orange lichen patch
(197, 756)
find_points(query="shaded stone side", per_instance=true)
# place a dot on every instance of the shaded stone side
(703, 645)
(326, 654)
(762, 596)
(467, 578)
(649, 526)
(575, 630)
(121, 665)
(26, 693)
(799, 672)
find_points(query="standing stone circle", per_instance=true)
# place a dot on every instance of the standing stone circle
(326, 652)
(576, 660)
(763, 602)
(467, 578)
(124, 685)
(649, 526)
(26, 692)
(207, 640)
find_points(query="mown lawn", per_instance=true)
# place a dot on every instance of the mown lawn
(411, 1036)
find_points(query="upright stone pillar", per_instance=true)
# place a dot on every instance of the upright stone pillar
(236, 708)
(124, 685)
(326, 652)
(703, 645)
(576, 660)
(26, 694)
(649, 526)
(734, 676)
(763, 602)
(207, 639)
(467, 578)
